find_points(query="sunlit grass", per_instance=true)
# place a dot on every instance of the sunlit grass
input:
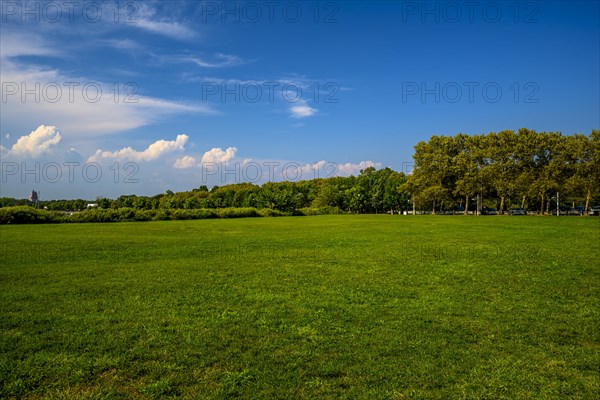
(331, 306)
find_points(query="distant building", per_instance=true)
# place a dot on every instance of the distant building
(92, 205)
(33, 196)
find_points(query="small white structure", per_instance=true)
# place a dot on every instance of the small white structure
(92, 205)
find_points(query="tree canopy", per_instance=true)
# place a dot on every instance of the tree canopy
(525, 168)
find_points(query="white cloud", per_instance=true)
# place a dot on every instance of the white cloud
(184, 162)
(145, 19)
(152, 152)
(61, 100)
(16, 44)
(171, 29)
(302, 110)
(218, 155)
(348, 169)
(124, 44)
(219, 61)
(40, 141)
(213, 156)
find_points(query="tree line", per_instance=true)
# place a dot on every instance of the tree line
(372, 191)
(506, 169)
(525, 169)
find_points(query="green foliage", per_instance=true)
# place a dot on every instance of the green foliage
(326, 210)
(269, 212)
(27, 215)
(371, 192)
(237, 212)
(102, 215)
(522, 169)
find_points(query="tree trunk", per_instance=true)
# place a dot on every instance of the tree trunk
(587, 201)
(523, 202)
(548, 206)
(502, 205)
(466, 205)
(433, 211)
(542, 204)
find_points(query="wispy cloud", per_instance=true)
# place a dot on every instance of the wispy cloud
(147, 21)
(123, 44)
(218, 61)
(283, 89)
(17, 44)
(171, 29)
(69, 106)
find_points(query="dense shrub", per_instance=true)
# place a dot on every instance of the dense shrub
(269, 212)
(326, 210)
(95, 215)
(28, 215)
(203, 213)
(144, 215)
(126, 214)
(237, 212)
(162, 215)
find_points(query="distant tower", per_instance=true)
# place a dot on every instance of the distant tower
(33, 197)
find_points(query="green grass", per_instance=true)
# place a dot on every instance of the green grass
(366, 307)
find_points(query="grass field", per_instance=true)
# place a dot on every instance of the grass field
(366, 307)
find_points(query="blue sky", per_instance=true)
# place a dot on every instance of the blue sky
(375, 77)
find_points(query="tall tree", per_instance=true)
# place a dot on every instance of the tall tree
(432, 173)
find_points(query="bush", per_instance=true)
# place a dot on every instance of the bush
(161, 215)
(201, 213)
(112, 215)
(237, 212)
(126, 214)
(28, 215)
(144, 215)
(269, 212)
(326, 210)
(95, 215)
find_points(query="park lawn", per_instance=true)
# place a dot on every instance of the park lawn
(367, 306)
